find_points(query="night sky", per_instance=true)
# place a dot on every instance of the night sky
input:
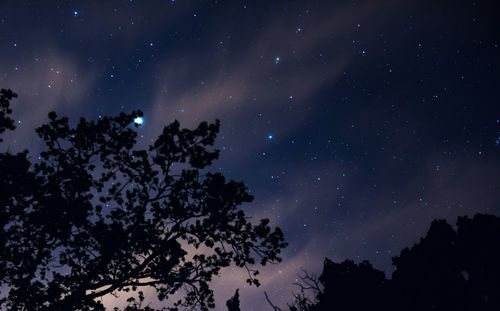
(354, 124)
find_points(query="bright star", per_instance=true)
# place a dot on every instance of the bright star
(139, 121)
(270, 137)
(75, 13)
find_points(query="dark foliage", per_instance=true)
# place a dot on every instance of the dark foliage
(233, 304)
(6, 122)
(350, 286)
(95, 216)
(447, 270)
(452, 270)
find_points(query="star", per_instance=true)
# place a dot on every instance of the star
(139, 121)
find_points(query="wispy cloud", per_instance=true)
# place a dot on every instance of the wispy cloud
(47, 81)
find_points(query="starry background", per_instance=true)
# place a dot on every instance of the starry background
(353, 123)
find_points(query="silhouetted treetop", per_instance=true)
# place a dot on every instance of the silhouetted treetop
(233, 304)
(350, 286)
(96, 216)
(447, 270)
(452, 269)
(6, 122)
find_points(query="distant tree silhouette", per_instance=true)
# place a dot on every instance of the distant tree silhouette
(304, 300)
(94, 216)
(233, 304)
(6, 122)
(448, 269)
(350, 286)
(451, 270)
(425, 275)
(478, 259)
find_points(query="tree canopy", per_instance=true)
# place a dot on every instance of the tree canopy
(94, 216)
(448, 269)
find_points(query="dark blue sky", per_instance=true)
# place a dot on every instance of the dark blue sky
(354, 123)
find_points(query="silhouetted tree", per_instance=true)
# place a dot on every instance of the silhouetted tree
(451, 270)
(425, 275)
(306, 298)
(94, 216)
(350, 286)
(233, 304)
(6, 122)
(447, 269)
(310, 289)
